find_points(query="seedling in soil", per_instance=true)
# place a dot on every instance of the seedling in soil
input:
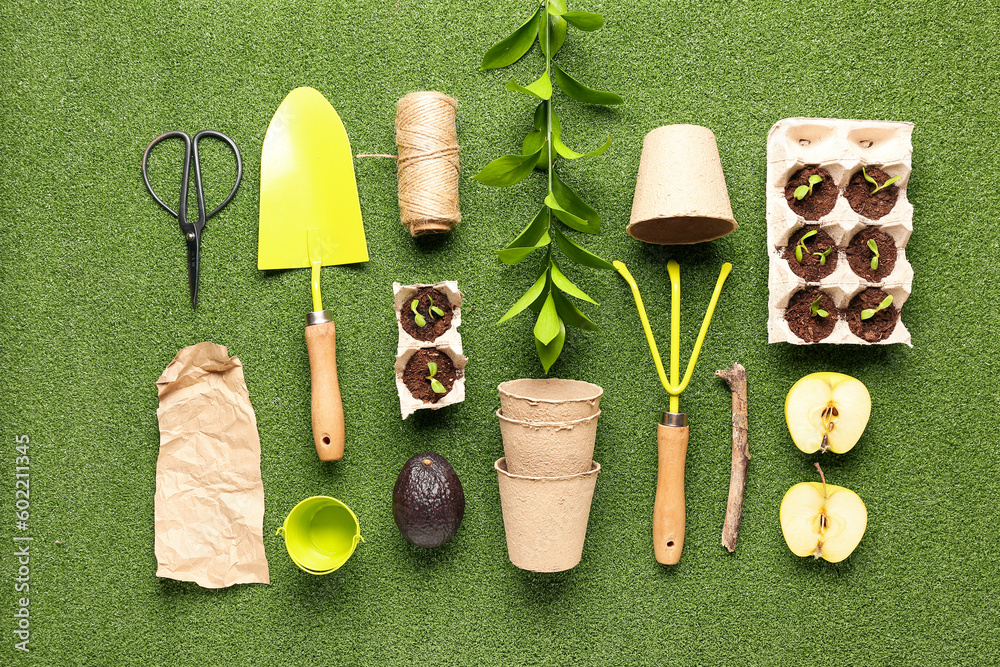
(875, 183)
(801, 248)
(804, 191)
(434, 310)
(816, 310)
(869, 313)
(874, 248)
(417, 317)
(823, 255)
(436, 385)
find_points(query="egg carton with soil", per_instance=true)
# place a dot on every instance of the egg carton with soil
(834, 264)
(430, 364)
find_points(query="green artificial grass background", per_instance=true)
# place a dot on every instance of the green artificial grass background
(94, 304)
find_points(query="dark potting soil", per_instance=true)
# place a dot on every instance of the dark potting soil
(435, 324)
(859, 196)
(876, 328)
(811, 328)
(822, 199)
(416, 371)
(859, 255)
(810, 269)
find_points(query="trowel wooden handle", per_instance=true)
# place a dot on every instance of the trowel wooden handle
(668, 510)
(327, 408)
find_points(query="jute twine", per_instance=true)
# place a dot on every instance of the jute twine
(427, 165)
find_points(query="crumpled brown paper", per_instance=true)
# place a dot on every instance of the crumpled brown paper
(209, 502)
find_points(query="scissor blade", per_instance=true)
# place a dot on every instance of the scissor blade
(193, 251)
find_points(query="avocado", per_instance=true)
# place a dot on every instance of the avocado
(428, 502)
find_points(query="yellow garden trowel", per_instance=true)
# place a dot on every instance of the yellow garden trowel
(310, 216)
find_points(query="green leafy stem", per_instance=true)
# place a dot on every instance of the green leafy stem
(541, 148)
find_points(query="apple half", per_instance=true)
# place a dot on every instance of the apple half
(822, 520)
(827, 412)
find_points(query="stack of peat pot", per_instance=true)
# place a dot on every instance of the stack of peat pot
(547, 476)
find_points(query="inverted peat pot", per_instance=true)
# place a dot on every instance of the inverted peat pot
(545, 518)
(680, 192)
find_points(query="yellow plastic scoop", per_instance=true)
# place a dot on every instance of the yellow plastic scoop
(310, 216)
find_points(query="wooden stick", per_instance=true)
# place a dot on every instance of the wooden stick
(736, 378)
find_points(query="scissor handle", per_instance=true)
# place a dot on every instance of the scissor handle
(191, 151)
(197, 171)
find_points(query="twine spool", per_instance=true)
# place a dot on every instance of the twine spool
(427, 165)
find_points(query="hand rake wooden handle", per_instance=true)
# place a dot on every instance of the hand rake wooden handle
(668, 509)
(327, 408)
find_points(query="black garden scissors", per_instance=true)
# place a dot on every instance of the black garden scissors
(192, 230)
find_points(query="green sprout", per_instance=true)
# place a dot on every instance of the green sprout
(804, 191)
(869, 313)
(434, 310)
(823, 255)
(874, 248)
(875, 183)
(417, 317)
(816, 310)
(438, 388)
(800, 247)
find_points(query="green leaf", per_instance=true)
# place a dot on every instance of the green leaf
(528, 297)
(798, 254)
(568, 218)
(814, 179)
(566, 285)
(570, 314)
(886, 302)
(437, 387)
(801, 192)
(816, 310)
(533, 143)
(889, 182)
(571, 202)
(570, 154)
(509, 169)
(869, 178)
(578, 91)
(540, 87)
(432, 368)
(873, 246)
(578, 254)
(868, 313)
(556, 31)
(531, 238)
(548, 354)
(509, 50)
(437, 311)
(557, 7)
(584, 20)
(516, 255)
(539, 119)
(808, 235)
(548, 323)
(874, 263)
